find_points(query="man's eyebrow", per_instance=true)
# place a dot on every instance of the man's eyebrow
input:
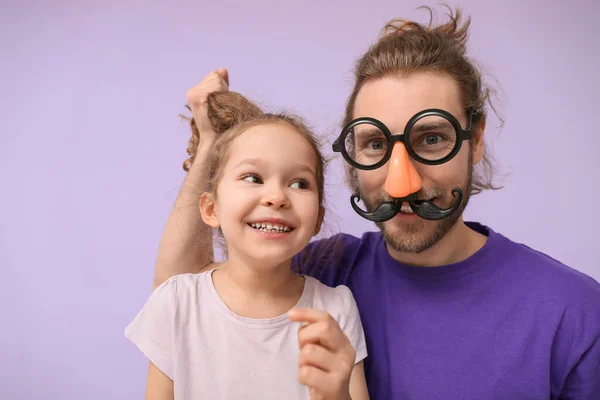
(429, 126)
(368, 132)
(418, 127)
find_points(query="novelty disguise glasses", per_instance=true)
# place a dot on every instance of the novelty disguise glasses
(431, 137)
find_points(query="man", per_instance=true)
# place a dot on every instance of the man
(451, 310)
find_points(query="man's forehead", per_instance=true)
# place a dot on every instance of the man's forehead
(394, 100)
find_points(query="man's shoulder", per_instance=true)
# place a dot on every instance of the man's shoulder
(558, 275)
(341, 248)
(544, 272)
(332, 260)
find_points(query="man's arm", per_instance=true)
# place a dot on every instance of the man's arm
(186, 245)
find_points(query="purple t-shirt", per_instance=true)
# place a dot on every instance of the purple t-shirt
(507, 323)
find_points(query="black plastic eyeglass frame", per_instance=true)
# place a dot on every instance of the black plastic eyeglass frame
(461, 135)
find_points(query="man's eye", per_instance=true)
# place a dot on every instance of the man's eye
(377, 144)
(432, 139)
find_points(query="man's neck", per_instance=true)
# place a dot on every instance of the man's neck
(458, 244)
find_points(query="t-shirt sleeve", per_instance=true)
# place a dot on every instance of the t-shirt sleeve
(576, 350)
(583, 381)
(152, 329)
(351, 324)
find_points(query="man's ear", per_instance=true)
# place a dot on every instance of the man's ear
(208, 210)
(478, 143)
(320, 219)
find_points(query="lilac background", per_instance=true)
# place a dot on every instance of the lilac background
(91, 149)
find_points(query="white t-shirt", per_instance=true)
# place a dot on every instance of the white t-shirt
(209, 352)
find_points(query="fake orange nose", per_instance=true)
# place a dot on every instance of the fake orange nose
(402, 178)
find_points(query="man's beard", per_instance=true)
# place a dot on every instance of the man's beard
(415, 237)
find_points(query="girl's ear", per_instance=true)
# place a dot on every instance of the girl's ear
(208, 210)
(320, 219)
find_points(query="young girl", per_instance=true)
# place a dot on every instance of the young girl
(250, 328)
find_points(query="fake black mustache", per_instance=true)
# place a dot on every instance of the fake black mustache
(425, 209)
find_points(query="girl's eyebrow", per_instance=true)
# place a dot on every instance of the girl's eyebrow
(250, 161)
(257, 162)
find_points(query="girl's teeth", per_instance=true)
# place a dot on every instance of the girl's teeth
(268, 226)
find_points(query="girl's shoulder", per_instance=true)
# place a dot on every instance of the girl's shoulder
(184, 281)
(338, 300)
(182, 290)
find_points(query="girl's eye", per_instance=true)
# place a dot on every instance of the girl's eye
(300, 184)
(252, 178)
